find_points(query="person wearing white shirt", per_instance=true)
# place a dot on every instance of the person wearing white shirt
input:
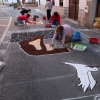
(48, 8)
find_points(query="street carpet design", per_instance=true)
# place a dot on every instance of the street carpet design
(84, 73)
(17, 37)
(36, 46)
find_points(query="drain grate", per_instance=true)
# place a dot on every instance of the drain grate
(17, 37)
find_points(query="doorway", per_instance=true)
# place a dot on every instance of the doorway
(98, 8)
(73, 9)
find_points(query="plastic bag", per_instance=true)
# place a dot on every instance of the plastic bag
(76, 36)
(97, 19)
(79, 47)
(96, 25)
(47, 26)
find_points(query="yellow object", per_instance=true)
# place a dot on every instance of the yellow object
(96, 25)
(97, 19)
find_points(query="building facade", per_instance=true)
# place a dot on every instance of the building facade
(81, 11)
(16, 1)
(27, 3)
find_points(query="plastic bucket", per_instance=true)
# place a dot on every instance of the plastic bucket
(44, 17)
(34, 18)
(93, 40)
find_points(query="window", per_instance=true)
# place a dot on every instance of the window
(61, 2)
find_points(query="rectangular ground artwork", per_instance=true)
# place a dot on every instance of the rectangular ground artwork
(33, 42)
(36, 46)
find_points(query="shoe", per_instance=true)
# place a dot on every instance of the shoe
(1, 65)
(15, 23)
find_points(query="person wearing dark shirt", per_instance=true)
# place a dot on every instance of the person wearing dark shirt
(55, 19)
(25, 11)
(20, 20)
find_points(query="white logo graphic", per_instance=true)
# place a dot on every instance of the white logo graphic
(85, 76)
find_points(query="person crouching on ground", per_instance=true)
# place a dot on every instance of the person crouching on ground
(55, 19)
(20, 20)
(62, 33)
(25, 11)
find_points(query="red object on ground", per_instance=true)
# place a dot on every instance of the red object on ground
(93, 40)
(47, 26)
(44, 17)
(34, 18)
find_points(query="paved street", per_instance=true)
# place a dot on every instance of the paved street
(46, 77)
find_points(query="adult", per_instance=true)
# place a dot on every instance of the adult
(48, 8)
(62, 32)
(25, 11)
(55, 19)
(20, 19)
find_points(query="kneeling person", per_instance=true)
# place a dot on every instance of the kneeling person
(20, 19)
(55, 19)
(62, 32)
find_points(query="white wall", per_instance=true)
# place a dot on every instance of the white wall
(56, 2)
(65, 3)
(42, 2)
(82, 4)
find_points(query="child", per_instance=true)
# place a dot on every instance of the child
(21, 18)
(24, 11)
(63, 32)
(55, 18)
